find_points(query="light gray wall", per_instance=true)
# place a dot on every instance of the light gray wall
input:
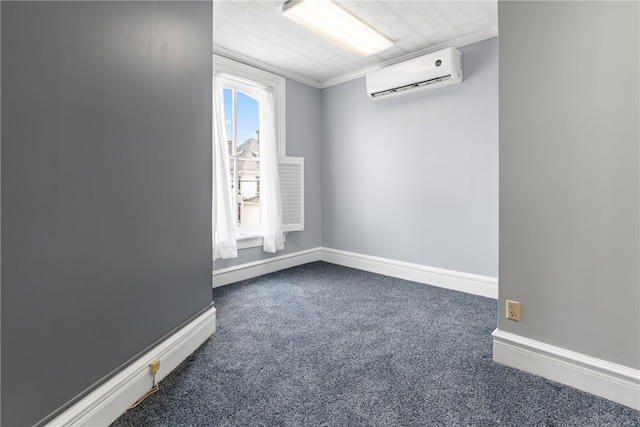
(106, 189)
(304, 131)
(415, 178)
(569, 175)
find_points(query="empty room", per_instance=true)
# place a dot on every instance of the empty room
(320, 212)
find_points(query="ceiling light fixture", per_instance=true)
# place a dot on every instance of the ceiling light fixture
(329, 20)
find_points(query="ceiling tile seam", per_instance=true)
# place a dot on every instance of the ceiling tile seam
(444, 16)
(302, 32)
(402, 19)
(378, 29)
(242, 9)
(487, 11)
(303, 55)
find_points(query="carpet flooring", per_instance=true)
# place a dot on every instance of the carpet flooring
(325, 345)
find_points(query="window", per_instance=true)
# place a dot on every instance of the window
(241, 92)
(258, 193)
(243, 133)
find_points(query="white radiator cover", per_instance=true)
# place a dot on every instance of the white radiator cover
(291, 174)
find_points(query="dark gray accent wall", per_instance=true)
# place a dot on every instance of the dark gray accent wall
(303, 132)
(415, 178)
(106, 189)
(569, 175)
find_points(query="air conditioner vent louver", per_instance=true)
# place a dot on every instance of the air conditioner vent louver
(410, 86)
(437, 69)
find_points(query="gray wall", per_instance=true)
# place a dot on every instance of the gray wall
(569, 181)
(415, 178)
(303, 132)
(106, 183)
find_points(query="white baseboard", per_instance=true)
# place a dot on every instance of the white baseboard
(102, 406)
(455, 280)
(605, 379)
(258, 268)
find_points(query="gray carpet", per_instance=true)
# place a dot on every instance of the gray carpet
(324, 345)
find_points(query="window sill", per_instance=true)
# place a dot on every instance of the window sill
(246, 241)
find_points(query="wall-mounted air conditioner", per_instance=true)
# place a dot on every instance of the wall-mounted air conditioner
(437, 69)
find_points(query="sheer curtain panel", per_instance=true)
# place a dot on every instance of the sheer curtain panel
(270, 191)
(224, 233)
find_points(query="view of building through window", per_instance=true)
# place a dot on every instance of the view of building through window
(242, 122)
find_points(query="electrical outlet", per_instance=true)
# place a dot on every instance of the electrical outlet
(513, 310)
(154, 366)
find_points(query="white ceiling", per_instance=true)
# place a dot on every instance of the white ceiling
(255, 32)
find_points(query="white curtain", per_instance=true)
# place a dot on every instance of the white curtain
(270, 189)
(224, 233)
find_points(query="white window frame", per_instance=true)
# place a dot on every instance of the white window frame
(251, 75)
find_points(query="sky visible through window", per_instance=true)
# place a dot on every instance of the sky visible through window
(247, 116)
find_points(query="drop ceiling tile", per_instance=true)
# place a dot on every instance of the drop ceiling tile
(257, 29)
(491, 7)
(414, 13)
(374, 14)
(465, 16)
(270, 30)
(223, 11)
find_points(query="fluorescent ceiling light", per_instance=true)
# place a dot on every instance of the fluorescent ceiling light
(327, 19)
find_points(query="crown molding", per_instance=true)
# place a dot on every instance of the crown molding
(227, 53)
